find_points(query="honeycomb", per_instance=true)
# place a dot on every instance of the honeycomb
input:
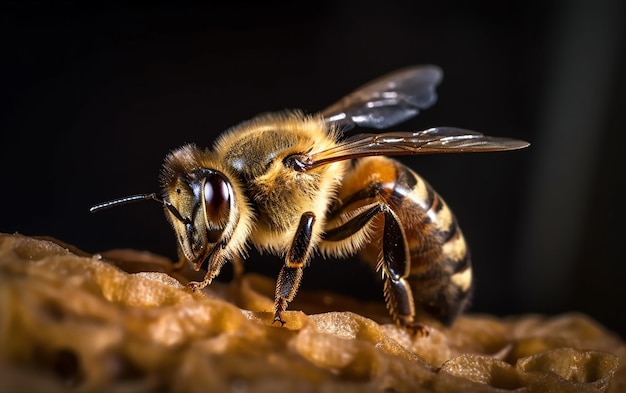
(124, 321)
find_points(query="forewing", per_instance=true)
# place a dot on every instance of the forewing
(388, 100)
(430, 141)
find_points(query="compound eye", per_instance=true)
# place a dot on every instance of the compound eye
(217, 200)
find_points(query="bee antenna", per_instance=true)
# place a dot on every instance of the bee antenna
(139, 197)
(125, 200)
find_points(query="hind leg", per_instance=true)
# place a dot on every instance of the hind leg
(394, 259)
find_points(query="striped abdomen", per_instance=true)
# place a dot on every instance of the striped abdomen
(439, 268)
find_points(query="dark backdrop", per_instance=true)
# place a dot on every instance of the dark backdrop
(93, 98)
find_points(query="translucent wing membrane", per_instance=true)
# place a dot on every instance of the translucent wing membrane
(430, 141)
(388, 100)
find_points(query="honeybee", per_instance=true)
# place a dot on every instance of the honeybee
(293, 184)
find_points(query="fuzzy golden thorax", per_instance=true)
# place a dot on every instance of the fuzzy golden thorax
(256, 151)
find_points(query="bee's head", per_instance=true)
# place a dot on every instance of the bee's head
(200, 206)
(199, 203)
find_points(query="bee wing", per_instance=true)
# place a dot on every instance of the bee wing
(430, 141)
(388, 100)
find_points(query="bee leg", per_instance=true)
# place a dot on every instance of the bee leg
(290, 274)
(354, 225)
(216, 261)
(394, 260)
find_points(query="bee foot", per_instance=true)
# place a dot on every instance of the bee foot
(197, 285)
(415, 329)
(418, 329)
(279, 319)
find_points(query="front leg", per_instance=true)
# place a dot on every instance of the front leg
(290, 275)
(216, 260)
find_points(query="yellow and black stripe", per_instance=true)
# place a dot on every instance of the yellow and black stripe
(435, 273)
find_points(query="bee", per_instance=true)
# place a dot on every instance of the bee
(294, 185)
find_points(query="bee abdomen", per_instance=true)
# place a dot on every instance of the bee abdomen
(441, 273)
(444, 290)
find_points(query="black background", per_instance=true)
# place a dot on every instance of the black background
(94, 97)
